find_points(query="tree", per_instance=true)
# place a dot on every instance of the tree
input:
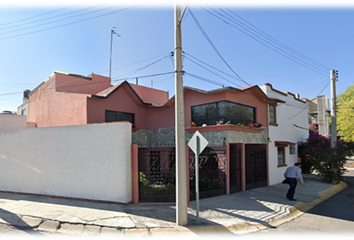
(345, 114)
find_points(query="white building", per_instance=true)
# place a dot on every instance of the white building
(288, 126)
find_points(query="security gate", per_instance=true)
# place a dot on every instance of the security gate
(256, 166)
(157, 174)
(212, 177)
(235, 168)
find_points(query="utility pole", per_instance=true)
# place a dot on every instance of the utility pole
(333, 109)
(110, 58)
(181, 171)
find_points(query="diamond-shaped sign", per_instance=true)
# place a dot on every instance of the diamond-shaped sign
(197, 143)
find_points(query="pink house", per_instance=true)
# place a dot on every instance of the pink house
(234, 121)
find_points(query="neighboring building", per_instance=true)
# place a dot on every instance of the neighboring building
(23, 108)
(11, 121)
(238, 157)
(69, 99)
(319, 114)
(288, 126)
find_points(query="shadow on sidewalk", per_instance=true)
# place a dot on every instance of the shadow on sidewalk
(16, 222)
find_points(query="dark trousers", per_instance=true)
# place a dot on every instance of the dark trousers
(292, 185)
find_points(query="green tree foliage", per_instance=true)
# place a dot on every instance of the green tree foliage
(317, 155)
(345, 114)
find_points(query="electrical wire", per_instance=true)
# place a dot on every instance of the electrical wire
(66, 24)
(48, 18)
(213, 46)
(310, 101)
(42, 14)
(262, 33)
(143, 76)
(142, 68)
(267, 43)
(209, 70)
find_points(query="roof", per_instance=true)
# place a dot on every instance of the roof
(109, 91)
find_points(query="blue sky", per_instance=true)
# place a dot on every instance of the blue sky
(38, 39)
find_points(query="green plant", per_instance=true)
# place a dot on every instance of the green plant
(317, 154)
(142, 179)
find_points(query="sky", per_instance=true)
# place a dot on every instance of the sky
(292, 46)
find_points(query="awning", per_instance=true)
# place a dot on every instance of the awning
(283, 143)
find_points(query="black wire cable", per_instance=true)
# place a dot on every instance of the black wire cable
(212, 71)
(142, 68)
(143, 76)
(24, 19)
(213, 46)
(66, 24)
(262, 33)
(188, 56)
(281, 52)
(55, 21)
(48, 18)
(311, 100)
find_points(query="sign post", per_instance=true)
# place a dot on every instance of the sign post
(197, 144)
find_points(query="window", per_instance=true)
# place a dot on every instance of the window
(292, 149)
(24, 112)
(281, 156)
(112, 116)
(223, 111)
(272, 114)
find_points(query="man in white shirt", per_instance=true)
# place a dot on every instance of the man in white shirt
(292, 174)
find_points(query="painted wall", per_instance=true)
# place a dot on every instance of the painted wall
(9, 122)
(164, 117)
(47, 107)
(86, 161)
(121, 100)
(293, 111)
(71, 83)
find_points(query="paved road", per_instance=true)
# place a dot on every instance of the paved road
(333, 216)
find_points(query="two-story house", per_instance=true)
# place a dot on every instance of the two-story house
(236, 122)
(288, 126)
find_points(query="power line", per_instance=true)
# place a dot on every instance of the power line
(142, 68)
(190, 59)
(66, 24)
(278, 42)
(48, 18)
(144, 76)
(204, 79)
(266, 43)
(24, 19)
(213, 46)
(311, 101)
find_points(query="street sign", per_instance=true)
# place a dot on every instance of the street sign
(197, 144)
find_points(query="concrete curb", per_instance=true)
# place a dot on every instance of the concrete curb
(244, 227)
(295, 211)
(301, 208)
(291, 212)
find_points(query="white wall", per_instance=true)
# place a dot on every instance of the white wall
(289, 113)
(9, 122)
(85, 161)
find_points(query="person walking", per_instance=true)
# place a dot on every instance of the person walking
(292, 174)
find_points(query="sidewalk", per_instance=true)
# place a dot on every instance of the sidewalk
(237, 213)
